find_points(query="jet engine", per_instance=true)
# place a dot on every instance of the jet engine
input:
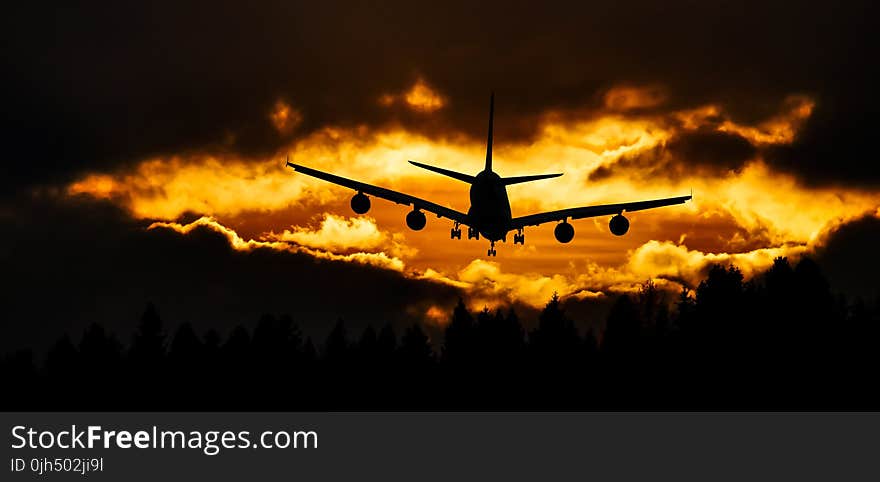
(360, 203)
(618, 225)
(416, 220)
(564, 232)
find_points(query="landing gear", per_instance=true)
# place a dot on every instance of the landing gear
(455, 232)
(473, 233)
(491, 251)
(519, 237)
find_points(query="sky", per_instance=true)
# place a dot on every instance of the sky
(146, 147)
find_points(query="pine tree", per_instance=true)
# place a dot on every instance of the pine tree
(148, 347)
(336, 348)
(555, 340)
(62, 361)
(458, 344)
(415, 348)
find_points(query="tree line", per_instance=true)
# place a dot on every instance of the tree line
(780, 341)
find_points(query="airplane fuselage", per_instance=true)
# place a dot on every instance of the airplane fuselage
(490, 207)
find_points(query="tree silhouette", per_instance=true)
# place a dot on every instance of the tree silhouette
(386, 344)
(459, 341)
(211, 343)
(623, 329)
(555, 342)
(62, 362)
(236, 363)
(276, 349)
(336, 348)
(310, 354)
(148, 345)
(185, 362)
(19, 370)
(368, 346)
(781, 340)
(185, 352)
(100, 352)
(415, 349)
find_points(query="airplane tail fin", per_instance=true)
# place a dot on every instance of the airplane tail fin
(518, 179)
(446, 172)
(491, 128)
(470, 179)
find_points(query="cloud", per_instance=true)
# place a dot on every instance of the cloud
(379, 259)
(652, 155)
(88, 104)
(99, 265)
(284, 117)
(671, 266)
(831, 147)
(165, 188)
(626, 98)
(779, 129)
(685, 154)
(102, 265)
(705, 141)
(437, 315)
(337, 233)
(743, 209)
(421, 97)
(489, 285)
(486, 283)
(848, 256)
(669, 261)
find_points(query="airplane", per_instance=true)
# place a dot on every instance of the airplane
(489, 214)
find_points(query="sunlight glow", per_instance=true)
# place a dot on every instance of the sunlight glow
(745, 217)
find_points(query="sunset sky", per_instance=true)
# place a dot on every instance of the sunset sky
(146, 146)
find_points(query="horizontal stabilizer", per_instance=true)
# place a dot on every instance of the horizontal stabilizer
(518, 179)
(446, 172)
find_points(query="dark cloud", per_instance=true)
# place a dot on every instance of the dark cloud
(719, 149)
(837, 144)
(850, 258)
(687, 153)
(65, 266)
(100, 85)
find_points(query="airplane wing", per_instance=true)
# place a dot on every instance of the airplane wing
(592, 211)
(381, 192)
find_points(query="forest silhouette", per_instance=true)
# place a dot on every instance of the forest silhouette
(782, 340)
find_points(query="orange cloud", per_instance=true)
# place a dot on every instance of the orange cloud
(284, 117)
(379, 259)
(763, 213)
(420, 97)
(337, 233)
(756, 197)
(165, 188)
(671, 266)
(489, 284)
(668, 260)
(437, 315)
(781, 128)
(624, 98)
(101, 186)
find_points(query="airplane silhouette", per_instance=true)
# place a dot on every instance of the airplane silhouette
(489, 214)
